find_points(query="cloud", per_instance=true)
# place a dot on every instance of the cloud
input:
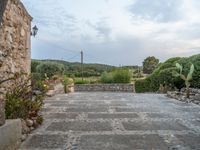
(102, 28)
(115, 33)
(157, 10)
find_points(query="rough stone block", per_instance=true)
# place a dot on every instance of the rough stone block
(10, 134)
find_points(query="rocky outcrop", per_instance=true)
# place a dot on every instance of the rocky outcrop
(15, 29)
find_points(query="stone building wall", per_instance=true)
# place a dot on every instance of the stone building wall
(15, 56)
(104, 88)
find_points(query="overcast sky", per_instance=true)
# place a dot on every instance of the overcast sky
(118, 32)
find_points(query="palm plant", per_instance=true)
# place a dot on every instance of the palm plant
(187, 78)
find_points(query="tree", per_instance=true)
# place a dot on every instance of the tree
(50, 69)
(150, 64)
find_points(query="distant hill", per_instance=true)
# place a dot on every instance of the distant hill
(74, 68)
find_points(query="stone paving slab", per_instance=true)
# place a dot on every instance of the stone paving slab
(116, 121)
(112, 116)
(192, 141)
(87, 109)
(121, 142)
(137, 109)
(61, 116)
(80, 126)
(154, 125)
(159, 115)
(46, 142)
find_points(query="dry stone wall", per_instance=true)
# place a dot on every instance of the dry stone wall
(104, 88)
(15, 56)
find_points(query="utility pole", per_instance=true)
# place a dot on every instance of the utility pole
(82, 64)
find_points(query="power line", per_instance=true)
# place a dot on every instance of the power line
(58, 47)
(73, 57)
(97, 59)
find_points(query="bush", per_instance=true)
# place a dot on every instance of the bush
(34, 64)
(80, 81)
(162, 75)
(106, 78)
(50, 69)
(117, 76)
(20, 102)
(121, 76)
(142, 86)
(66, 82)
(36, 76)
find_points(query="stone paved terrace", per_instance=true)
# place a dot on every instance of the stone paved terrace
(116, 121)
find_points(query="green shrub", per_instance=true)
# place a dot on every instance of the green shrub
(20, 102)
(80, 81)
(142, 86)
(162, 75)
(50, 69)
(117, 76)
(36, 76)
(41, 86)
(34, 64)
(106, 78)
(121, 76)
(66, 82)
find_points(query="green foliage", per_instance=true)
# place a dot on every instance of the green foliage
(66, 82)
(74, 69)
(142, 86)
(107, 77)
(121, 76)
(149, 64)
(20, 102)
(80, 81)
(37, 76)
(117, 76)
(41, 86)
(34, 65)
(164, 74)
(187, 78)
(50, 69)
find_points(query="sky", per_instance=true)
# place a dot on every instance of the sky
(116, 32)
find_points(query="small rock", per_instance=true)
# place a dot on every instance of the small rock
(35, 124)
(23, 138)
(29, 122)
(25, 128)
(32, 128)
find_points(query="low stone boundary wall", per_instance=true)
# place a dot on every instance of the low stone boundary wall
(104, 88)
(181, 96)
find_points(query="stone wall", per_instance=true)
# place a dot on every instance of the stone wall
(104, 88)
(15, 56)
(181, 95)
